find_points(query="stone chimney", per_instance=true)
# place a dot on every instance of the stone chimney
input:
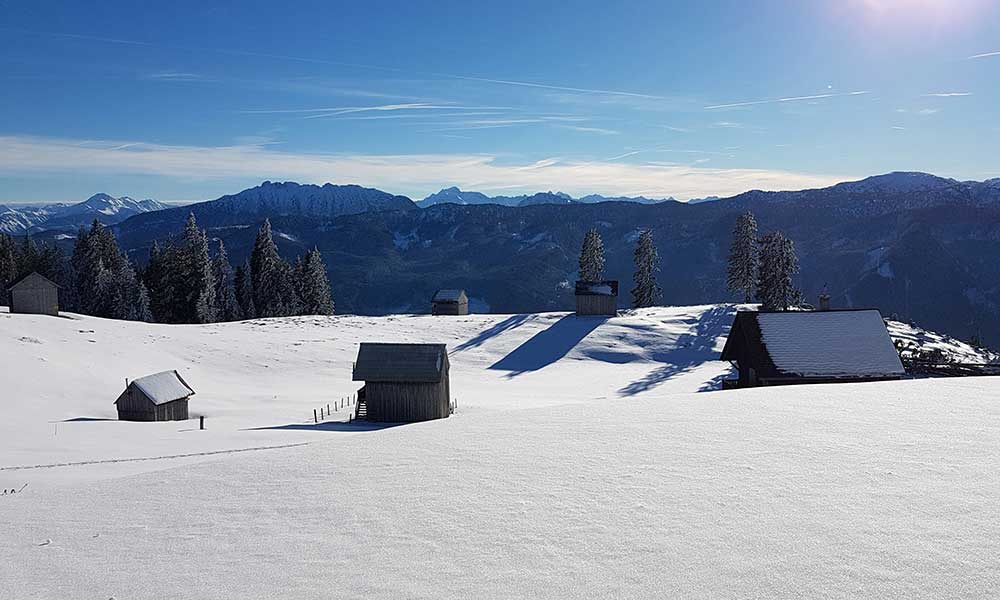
(824, 299)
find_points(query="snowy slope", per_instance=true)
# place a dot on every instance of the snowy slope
(582, 463)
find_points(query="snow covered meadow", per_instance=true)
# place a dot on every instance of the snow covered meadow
(588, 458)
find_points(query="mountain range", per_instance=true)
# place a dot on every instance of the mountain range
(69, 217)
(453, 195)
(914, 245)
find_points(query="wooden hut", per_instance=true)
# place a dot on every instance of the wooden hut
(34, 294)
(160, 397)
(597, 298)
(450, 302)
(783, 348)
(403, 382)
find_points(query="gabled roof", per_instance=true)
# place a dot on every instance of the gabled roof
(450, 296)
(163, 387)
(33, 277)
(401, 362)
(597, 288)
(824, 344)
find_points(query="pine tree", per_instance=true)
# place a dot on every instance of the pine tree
(106, 283)
(244, 291)
(8, 266)
(592, 257)
(744, 257)
(313, 286)
(159, 284)
(225, 291)
(193, 280)
(270, 277)
(647, 263)
(778, 263)
(27, 256)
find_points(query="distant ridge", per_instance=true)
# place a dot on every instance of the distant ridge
(107, 208)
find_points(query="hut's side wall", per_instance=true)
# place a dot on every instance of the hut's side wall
(133, 405)
(392, 402)
(35, 300)
(450, 308)
(596, 305)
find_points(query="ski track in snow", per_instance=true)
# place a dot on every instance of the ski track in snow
(583, 462)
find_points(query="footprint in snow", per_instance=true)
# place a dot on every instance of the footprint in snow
(46, 542)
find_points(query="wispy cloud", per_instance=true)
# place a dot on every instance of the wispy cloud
(582, 129)
(415, 174)
(621, 156)
(923, 112)
(784, 100)
(177, 76)
(984, 55)
(549, 86)
(947, 94)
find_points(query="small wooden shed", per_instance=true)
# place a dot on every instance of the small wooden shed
(159, 397)
(403, 382)
(450, 302)
(597, 298)
(34, 294)
(793, 347)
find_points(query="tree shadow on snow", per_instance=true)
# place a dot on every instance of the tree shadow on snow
(330, 426)
(507, 324)
(549, 345)
(691, 351)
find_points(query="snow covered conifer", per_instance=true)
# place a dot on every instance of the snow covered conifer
(744, 257)
(592, 257)
(270, 276)
(778, 263)
(8, 265)
(228, 307)
(244, 291)
(195, 281)
(313, 285)
(647, 263)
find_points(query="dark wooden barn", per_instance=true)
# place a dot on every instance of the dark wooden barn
(403, 382)
(34, 294)
(597, 298)
(782, 348)
(450, 302)
(160, 397)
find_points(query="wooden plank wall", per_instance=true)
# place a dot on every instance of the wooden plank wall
(392, 402)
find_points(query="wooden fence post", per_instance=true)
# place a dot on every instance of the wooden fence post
(201, 420)
(315, 419)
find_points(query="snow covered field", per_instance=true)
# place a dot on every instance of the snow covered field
(584, 461)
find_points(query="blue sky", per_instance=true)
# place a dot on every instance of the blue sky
(187, 101)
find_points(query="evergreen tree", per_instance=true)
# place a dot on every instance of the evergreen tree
(744, 257)
(244, 291)
(270, 277)
(778, 263)
(158, 281)
(193, 280)
(647, 263)
(312, 285)
(225, 291)
(8, 266)
(592, 257)
(106, 283)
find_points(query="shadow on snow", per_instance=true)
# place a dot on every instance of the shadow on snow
(549, 345)
(691, 351)
(507, 324)
(330, 426)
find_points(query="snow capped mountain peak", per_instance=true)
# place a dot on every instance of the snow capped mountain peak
(102, 206)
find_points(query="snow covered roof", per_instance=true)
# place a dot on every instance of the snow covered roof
(401, 362)
(163, 387)
(597, 288)
(838, 344)
(450, 296)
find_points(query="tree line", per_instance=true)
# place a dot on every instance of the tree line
(182, 282)
(763, 267)
(646, 291)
